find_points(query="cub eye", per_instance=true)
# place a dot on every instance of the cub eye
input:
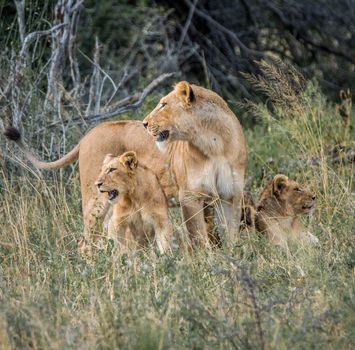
(297, 189)
(111, 170)
(162, 105)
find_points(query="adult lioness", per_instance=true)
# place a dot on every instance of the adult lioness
(139, 203)
(281, 204)
(111, 137)
(208, 160)
(207, 153)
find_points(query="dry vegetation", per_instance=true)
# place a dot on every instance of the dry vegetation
(251, 296)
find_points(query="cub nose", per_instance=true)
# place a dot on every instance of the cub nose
(314, 197)
(145, 124)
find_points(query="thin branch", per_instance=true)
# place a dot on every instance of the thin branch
(291, 25)
(123, 109)
(60, 41)
(96, 82)
(99, 68)
(74, 66)
(20, 7)
(148, 89)
(251, 52)
(187, 25)
(33, 36)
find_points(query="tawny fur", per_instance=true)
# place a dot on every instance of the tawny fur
(140, 205)
(281, 205)
(208, 160)
(248, 211)
(14, 135)
(114, 138)
(207, 154)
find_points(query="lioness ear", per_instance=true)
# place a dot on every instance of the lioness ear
(184, 92)
(279, 183)
(129, 160)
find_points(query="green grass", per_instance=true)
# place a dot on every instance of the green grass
(249, 297)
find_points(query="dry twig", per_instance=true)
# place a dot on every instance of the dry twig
(139, 98)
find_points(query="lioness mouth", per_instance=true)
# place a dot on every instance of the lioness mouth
(112, 195)
(163, 136)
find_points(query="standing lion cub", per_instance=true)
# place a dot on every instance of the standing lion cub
(139, 203)
(278, 213)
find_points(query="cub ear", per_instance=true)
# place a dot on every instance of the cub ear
(129, 160)
(108, 158)
(279, 183)
(184, 92)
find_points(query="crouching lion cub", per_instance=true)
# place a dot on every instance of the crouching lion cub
(278, 213)
(138, 201)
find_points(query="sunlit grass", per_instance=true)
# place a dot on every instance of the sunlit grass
(249, 296)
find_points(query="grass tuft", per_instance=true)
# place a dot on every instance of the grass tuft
(251, 296)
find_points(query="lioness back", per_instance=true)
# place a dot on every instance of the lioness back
(116, 138)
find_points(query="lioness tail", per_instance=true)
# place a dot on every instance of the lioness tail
(14, 135)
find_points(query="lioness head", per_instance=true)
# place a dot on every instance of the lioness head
(292, 197)
(116, 174)
(170, 119)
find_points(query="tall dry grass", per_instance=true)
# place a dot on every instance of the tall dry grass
(250, 296)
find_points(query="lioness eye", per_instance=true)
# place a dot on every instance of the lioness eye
(162, 105)
(297, 189)
(111, 170)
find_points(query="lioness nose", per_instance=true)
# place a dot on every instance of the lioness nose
(314, 197)
(145, 124)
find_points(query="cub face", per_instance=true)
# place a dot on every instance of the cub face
(117, 174)
(293, 195)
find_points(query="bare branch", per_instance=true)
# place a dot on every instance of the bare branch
(306, 38)
(187, 25)
(95, 83)
(100, 69)
(139, 98)
(64, 14)
(33, 36)
(148, 89)
(20, 7)
(74, 66)
(251, 52)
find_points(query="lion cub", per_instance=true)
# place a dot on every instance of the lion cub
(139, 203)
(278, 213)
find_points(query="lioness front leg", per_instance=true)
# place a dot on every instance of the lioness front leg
(228, 214)
(163, 234)
(193, 216)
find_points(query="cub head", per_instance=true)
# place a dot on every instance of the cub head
(171, 118)
(294, 198)
(117, 174)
